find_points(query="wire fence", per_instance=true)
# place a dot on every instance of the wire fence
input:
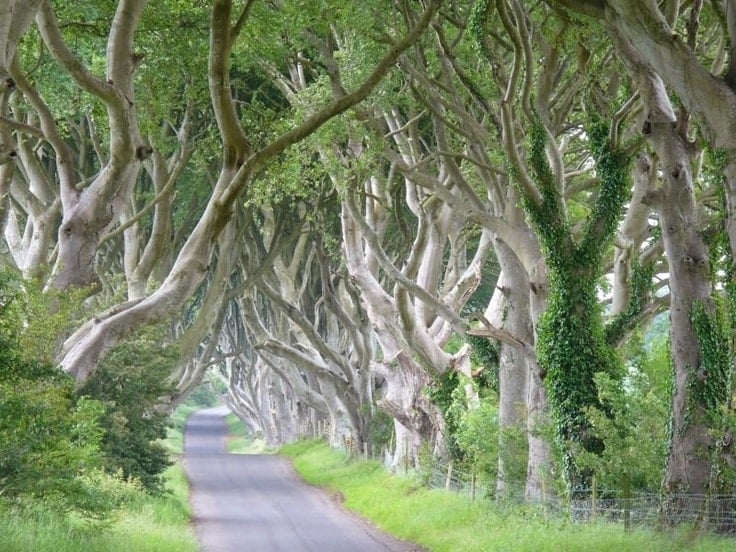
(716, 513)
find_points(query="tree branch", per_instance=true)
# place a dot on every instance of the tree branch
(592, 8)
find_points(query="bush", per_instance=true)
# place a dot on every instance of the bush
(130, 382)
(49, 438)
(477, 437)
(635, 436)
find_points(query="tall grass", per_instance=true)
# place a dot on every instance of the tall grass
(146, 524)
(442, 521)
(175, 433)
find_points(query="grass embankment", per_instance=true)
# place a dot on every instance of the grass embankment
(442, 521)
(175, 436)
(144, 524)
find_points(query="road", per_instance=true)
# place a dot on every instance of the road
(257, 503)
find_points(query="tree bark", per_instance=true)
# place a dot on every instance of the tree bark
(509, 310)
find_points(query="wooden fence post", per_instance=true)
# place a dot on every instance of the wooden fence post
(626, 484)
(594, 498)
(448, 479)
(406, 457)
(544, 497)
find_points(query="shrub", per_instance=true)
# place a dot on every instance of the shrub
(130, 382)
(49, 438)
(635, 437)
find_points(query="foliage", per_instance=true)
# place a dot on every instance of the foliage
(35, 317)
(204, 394)
(448, 394)
(635, 437)
(477, 438)
(710, 383)
(49, 438)
(130, 382)
(380, 429)
(571, 342)
(484, 354)
(641, 284)
(482, 442)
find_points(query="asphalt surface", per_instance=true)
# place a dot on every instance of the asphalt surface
(257, 503)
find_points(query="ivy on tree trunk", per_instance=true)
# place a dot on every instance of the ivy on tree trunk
(572, 347)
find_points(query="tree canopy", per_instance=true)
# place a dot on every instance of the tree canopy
(339, 208)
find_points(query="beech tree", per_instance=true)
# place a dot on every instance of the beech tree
(313, 216)
(668, 53)
(561, 162)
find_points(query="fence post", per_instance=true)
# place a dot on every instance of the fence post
(472, 485)
(448, 479)
(406, 456)
(544, 497)
(626, 484)
(594, 498)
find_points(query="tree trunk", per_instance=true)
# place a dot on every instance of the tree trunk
(509, 310)
(538, 416)
(690, 456)
(417, 421)
(694, 409)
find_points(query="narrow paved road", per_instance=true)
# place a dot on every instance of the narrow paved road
(256, 503)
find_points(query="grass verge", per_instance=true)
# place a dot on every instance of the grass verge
(175, 434)
(146, 524)
(442, 521)
(240, 441)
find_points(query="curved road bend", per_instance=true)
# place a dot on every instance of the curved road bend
(257, 503)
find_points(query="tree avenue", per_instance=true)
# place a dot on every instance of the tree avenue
(444, 231)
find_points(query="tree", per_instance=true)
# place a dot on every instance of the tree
(241, 165)
(664, 57)
(571, 346)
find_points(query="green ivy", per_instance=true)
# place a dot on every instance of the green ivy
(484, 354)
(572, 347)
(641, 287)
(476, 25)
(447, 392)
(710, 387)
(710, 384)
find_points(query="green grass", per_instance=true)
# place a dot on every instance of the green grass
(449, 522)
(147, 524)
(240, 441)
(175, 434)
